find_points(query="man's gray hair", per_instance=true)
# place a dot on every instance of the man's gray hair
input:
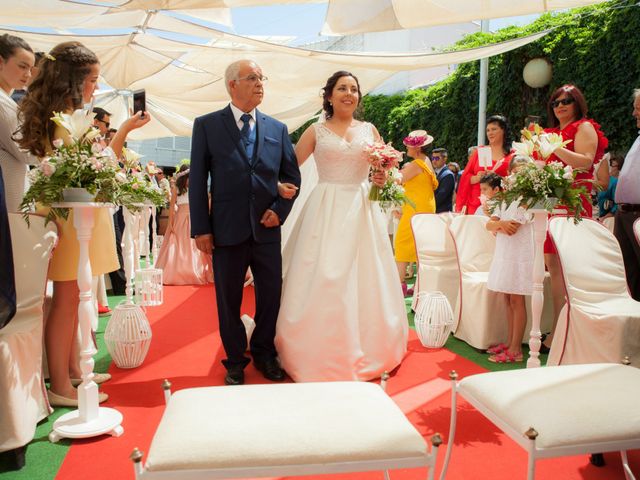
(233, 72)
(636, 93)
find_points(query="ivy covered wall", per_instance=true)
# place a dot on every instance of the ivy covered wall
(596, 48)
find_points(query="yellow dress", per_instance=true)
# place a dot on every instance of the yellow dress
(102, 246)
(419, 190)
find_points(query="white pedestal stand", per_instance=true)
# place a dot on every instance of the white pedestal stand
(89, 420)
(540, 222)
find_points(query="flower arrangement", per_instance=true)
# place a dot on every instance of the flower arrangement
(80, 163)
(382, 158)
(538, 183)
(136, 186)
(392, 195)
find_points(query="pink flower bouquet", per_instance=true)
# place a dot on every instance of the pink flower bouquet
(382, 158)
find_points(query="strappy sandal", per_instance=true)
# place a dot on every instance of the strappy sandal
(506, 357)
(499, 348)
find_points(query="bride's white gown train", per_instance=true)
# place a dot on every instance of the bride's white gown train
(342, 315)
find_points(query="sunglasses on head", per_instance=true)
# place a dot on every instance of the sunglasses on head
(564, 101)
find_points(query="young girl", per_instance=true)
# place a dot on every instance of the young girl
(512, 270)
(490, 184)
(181, 262)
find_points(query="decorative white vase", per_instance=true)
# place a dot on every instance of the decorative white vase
(433, 319)
(75, 194)
(128, 336)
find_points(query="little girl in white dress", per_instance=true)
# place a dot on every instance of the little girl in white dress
(512, 270)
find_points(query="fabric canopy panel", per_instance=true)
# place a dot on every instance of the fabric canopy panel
(345, 17)
(184, 80)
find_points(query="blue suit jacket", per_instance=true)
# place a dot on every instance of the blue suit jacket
(241, 190)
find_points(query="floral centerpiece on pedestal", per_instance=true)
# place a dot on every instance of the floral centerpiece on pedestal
(539, 184)
(385, 158)
(81, 163)
(136, 186)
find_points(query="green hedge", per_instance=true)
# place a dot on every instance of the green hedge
(597, 48)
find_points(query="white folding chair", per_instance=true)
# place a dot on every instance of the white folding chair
(437, 261)
(22, 391)
(600, 321)
(481, 313)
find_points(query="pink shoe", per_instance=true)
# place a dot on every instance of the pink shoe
(404, 289)
(409, 292)
(499, 348)
(506, 357)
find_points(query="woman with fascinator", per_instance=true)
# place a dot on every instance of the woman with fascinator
(179, 258)
(419, 180)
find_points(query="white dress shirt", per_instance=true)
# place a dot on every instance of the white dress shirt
(13, 161)
(628, 188)
(237, 113)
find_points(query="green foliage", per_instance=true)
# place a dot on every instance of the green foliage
(596, 48)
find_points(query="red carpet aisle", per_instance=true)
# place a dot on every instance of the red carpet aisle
(186, 349)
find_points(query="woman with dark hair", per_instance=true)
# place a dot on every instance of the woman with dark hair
(468, 195)
(567, 116)
(342, 315)
(16, 61)
(179, 258)
(66, 81)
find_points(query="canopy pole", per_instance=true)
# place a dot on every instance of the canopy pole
(482, 100)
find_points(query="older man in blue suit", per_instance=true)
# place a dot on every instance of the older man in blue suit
(244, 153)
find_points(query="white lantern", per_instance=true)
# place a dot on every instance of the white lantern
(433, 319)
(128, 336)
(148, 287)
(537, 73)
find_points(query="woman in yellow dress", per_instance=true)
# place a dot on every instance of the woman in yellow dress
(419, 180)
(67, 79)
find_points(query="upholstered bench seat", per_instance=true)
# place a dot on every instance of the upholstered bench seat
(287, 429)
(562, 410)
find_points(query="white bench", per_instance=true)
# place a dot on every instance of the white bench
(558, 411)
(278, 430)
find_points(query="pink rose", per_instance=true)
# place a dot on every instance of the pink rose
(57, 143)
(47, 168)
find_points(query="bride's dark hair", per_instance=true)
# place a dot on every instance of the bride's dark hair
(328, 89)
(56, 88)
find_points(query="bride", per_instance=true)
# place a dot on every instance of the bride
(342, 315)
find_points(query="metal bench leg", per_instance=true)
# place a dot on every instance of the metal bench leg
(452, 426)
(531, 434)
(386, 475)
(625, 466)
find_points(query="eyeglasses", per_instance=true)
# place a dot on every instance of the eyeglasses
(254, 78)
(564, 101)
(106, 124)
(436, 158)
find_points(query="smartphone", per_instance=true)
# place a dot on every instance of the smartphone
(139, 101)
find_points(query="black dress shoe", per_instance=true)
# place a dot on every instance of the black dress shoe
(234, 376)
(270, 369)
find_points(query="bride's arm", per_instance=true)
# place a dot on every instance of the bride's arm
(306, 145)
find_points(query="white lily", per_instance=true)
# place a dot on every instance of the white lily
(524, 148)
(77, 124)
(131, 158)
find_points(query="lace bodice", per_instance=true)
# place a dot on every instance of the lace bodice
(339, 161)
(182, 199)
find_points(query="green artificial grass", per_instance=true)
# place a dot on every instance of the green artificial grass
(44, 458)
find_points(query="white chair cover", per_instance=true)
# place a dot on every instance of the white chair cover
(437, 260)
(23, 399)
(636, 229)
(600, 322)
(609, 222)
(481, 313)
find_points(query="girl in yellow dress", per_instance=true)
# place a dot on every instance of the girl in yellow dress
(66, 80)
(419, 180)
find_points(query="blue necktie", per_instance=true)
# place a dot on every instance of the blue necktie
(248, 137)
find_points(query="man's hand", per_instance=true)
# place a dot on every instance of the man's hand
(205, 243)
(270, 219)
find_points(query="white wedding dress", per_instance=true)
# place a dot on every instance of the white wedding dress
(342, 315)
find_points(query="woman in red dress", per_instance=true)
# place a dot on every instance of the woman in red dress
(468, 196)
(567, 114)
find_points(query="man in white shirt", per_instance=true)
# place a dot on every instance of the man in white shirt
(628, 200)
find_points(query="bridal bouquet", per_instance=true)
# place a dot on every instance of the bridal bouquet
(392, 195)
(382, 158)
(80, 164)
(540, 184)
